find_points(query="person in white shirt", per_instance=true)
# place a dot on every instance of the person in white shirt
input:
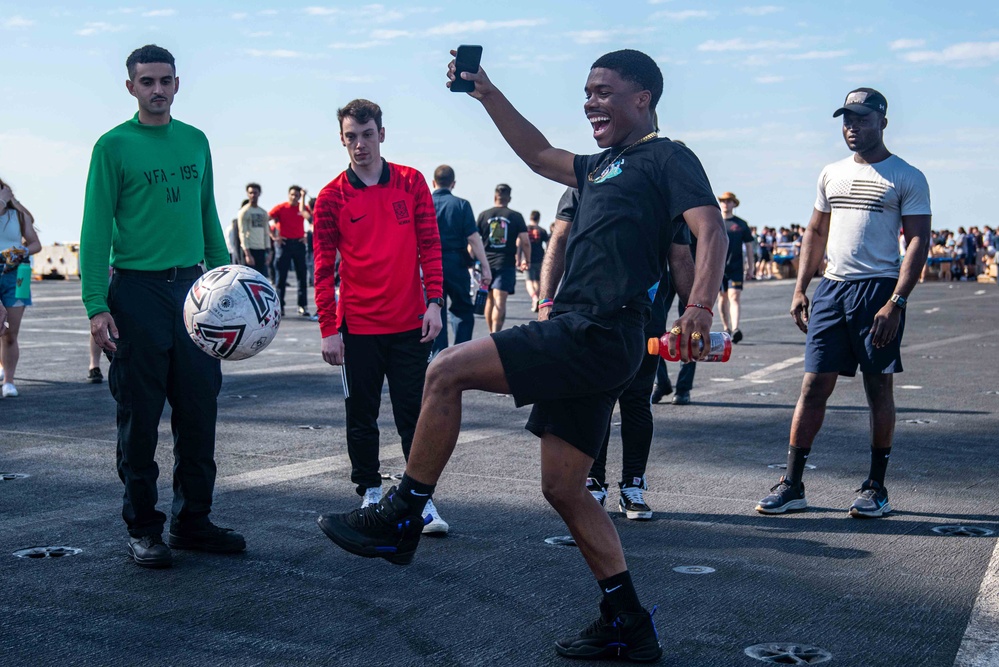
(858, 310)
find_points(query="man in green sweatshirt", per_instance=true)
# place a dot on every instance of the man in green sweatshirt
(150, 208)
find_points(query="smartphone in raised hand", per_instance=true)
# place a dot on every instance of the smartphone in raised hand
(466, 59)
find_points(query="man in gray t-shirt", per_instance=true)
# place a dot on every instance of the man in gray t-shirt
(858, 310)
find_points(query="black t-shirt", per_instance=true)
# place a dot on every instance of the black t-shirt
(539, 238)
(567, 205)
(624, 223)
(500, 227)
(738, 234)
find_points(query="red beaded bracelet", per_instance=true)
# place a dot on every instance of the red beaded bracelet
(701, 306)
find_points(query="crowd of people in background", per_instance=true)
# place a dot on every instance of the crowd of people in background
(962, 255)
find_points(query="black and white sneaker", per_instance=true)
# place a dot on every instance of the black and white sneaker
(783, 497)
(624, 636)
(597, 490)
(872, 501)
(632, 502)
(385, 530)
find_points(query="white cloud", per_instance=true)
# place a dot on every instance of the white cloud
(357, 45)
(900, 44)
(17, 22)
(463, 27)
(966, 54)
(268, 12)
(389, 34)
(97, 28)
(761, 11)
(238, 16)
(321, 11)
(160, 12)
(684, 14)
(601, 36)
(275, 53)
(382, 14)
(740, 44)
(770, 79)
(264, 33)
(819, 55)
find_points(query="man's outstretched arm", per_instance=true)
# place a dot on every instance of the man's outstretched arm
(525, 139)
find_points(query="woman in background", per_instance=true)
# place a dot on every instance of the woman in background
(18, 241)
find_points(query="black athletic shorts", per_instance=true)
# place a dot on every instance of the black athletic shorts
(573, 368)
(732, 278)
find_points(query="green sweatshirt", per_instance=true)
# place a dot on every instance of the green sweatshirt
(150, 205)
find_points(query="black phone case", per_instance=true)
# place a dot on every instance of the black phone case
(466, 64)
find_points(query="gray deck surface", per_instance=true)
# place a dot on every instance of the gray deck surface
(883, 592)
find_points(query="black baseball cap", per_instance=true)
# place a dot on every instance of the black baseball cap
(863, 101)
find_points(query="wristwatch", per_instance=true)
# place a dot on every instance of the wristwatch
(899, 300)
(440, 302)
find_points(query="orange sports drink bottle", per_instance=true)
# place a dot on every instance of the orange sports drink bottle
(720, 347)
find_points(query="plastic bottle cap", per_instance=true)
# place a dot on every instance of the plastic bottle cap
(653, 346)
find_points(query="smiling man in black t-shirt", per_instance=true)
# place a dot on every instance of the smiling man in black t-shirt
(588, 342)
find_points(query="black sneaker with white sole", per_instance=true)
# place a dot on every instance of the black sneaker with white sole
(872, 501)
(597, 490)
(384, 530)
(632, 502)
(783, 497)
(629, 636)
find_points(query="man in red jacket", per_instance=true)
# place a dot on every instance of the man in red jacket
(380, 217)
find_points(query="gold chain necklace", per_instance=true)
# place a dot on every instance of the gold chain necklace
(648, 137)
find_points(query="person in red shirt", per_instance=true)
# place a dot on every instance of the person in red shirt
(288, 234)
(380, 217)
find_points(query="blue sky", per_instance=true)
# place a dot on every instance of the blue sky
(750, 87)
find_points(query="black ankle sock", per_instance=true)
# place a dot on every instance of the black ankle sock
(796, 458)
(414, 494)
(879, 463)
(620, 593)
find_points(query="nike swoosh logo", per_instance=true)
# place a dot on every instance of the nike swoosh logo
(358, 217)
(611, 590)
(422, 495)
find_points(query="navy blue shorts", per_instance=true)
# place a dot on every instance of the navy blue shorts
(839, 328)
(505, 279)
(733, 277)
(573, 368)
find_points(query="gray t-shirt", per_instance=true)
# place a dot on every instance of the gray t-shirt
(867, 202)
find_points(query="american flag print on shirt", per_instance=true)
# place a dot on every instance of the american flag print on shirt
(858, 195)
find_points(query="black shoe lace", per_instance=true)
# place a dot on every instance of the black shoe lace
(782, 485)
(598, 627)
(366, 517)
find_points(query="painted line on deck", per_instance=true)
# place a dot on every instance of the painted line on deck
(108, 507)
(58, 331)
(773, 368)
(980, 645)
(937, 344)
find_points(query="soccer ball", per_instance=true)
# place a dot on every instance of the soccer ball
(232, 312)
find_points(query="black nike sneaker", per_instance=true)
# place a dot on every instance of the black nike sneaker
(629, 636)
(383, 530)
